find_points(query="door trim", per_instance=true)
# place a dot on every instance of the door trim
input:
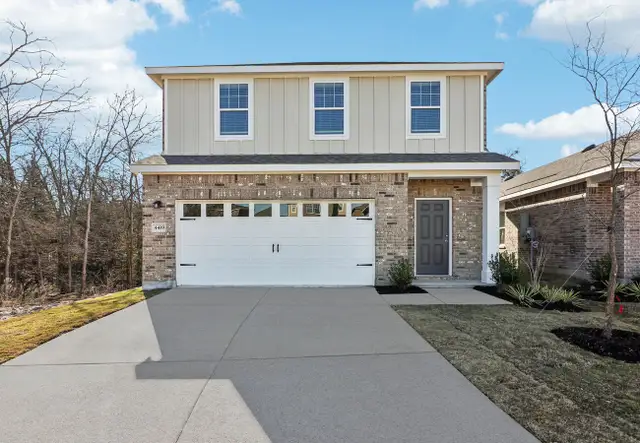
(415, 234)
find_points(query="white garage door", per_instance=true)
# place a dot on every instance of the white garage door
(275, 243)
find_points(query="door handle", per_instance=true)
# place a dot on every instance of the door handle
(278, 247)
(273, 248)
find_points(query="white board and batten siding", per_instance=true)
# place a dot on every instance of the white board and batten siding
(377, 118)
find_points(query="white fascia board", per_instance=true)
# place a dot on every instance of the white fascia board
(414, 169)
(568, 181)
(277, 69)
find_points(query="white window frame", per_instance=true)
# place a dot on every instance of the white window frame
(443, 107)
(216, 100)
(312, 109)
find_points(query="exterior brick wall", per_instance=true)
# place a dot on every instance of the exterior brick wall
(573, 221)
(631, 229)
(388, 190)
(467, 222)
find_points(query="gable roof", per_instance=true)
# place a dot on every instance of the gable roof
(589, 160)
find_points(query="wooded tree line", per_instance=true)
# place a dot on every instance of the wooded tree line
(70, 210)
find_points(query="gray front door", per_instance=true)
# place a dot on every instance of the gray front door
(432, 237)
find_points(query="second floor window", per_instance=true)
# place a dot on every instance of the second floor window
(426, 108)
(329, 112)
(234, 113)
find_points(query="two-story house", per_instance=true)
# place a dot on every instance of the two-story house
(321, 174)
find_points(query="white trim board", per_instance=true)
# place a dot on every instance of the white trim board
(415, 170)
(492, 69)
(569, 180)
(415, 235)
(546, 203)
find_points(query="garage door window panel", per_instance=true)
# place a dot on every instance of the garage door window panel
(262, 210)
(240, 209)
(288, 209)
(215, 210)
(360, 210)
(311, 210)
(192, 210)
(337, 209)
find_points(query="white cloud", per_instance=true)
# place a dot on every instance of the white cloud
(499, 19)
(587, 122)
(92, 36)
(559, 19)
(175, 8)
(419, 4)
(230, 6)
(567, 150)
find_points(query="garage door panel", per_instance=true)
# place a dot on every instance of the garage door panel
(293, 250)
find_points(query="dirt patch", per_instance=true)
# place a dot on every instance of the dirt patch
(623, 345)
(387, 290)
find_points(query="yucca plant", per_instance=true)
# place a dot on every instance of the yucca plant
(556, 295)
(620, 288)
(633, 290)
(524, 294)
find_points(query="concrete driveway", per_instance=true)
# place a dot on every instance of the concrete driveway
(246, 365)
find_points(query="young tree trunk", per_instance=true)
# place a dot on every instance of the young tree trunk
(613, 275)
(85, 257)
(12, 217)
(70, 257)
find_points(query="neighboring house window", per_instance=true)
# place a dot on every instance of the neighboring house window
(426, 108)
(234, 113)
(329, 113)
(502, 227)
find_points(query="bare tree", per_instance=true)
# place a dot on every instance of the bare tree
(613, 81)
(126, 127)
(508, 174)
(31, 90)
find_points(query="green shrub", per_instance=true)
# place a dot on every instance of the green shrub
(401, 274)
(523, 294)
(504, 268)
(555, 295)
(600, 269)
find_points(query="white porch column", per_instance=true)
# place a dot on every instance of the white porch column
(490, 222)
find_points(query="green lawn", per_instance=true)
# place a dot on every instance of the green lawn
(21, 334)
(557, 391)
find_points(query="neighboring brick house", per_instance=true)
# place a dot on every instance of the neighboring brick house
(567, 203)
(321, 174)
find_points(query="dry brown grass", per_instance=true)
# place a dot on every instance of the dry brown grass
(557, 391)
(21, 334)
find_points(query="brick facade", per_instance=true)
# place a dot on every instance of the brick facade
(572, 221)
(388, 190)
(466, 208)
(393, 194)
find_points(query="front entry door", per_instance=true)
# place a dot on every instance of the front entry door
(432, 237)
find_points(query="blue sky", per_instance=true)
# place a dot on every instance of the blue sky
(530, 36)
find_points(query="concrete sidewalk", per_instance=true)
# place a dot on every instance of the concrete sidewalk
(445, 296)
(246, 365)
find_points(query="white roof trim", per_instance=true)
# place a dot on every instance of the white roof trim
(373, 67)
(311, 68)
(411, 168)
(567, 181)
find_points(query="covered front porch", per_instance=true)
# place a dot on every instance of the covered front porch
(453, 226)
